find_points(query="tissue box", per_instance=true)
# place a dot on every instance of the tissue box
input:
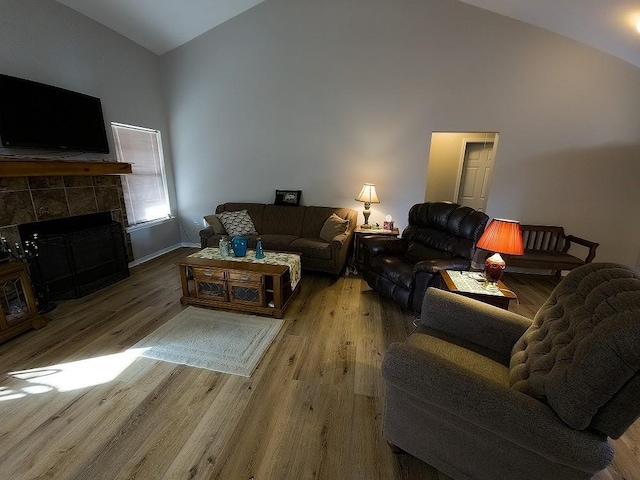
(388, 225)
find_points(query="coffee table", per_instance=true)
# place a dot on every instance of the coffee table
(464, 283)
(264, 286)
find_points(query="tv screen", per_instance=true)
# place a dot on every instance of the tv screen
(35, 115)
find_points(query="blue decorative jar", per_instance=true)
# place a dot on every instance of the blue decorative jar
(239, 246)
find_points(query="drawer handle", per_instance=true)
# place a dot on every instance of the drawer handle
(244, 278)
(208, 273)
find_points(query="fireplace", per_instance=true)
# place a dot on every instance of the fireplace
(77, 255)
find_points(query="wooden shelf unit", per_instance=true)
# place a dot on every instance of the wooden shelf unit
(15, 292)
(11, 167)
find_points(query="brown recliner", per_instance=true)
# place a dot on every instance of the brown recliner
(481, 393)
(440, 236)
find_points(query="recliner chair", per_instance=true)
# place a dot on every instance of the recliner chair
(440, 236)
(481, 393)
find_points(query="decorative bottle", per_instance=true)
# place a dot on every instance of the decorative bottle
(224, 247)
(259, 249)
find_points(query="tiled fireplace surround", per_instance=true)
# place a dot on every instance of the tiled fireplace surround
(33, 199)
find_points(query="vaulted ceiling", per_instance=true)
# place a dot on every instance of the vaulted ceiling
(162, 25)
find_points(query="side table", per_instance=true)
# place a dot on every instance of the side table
(358, 254)
(470, 289)
(18, 310)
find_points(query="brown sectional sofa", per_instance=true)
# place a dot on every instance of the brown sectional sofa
(294, 229)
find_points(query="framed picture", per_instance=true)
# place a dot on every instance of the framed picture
(288, 197)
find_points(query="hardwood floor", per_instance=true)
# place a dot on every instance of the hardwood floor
(75, 404)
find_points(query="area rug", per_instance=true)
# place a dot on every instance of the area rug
(212, 339)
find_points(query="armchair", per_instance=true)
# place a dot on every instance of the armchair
(440, 236)
(482, 393)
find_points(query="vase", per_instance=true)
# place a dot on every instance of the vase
(239, 246)
(259, 249)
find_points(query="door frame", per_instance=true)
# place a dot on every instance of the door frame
(465, 142)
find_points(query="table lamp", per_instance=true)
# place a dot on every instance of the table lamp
(368, 196)
(501, 236)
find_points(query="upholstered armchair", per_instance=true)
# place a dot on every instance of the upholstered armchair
(482, 393)
(440, 236)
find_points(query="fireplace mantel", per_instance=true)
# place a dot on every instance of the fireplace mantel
(11, 167)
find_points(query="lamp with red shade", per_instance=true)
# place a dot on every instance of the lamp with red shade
(501, 236)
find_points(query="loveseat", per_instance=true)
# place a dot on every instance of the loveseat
(292, 229)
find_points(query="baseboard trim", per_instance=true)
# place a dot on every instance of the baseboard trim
(157, 254)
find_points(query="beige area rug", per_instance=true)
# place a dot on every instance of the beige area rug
(212, 339)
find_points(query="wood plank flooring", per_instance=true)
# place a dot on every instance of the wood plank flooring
(75, 404)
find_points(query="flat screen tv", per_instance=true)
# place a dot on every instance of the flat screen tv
(35, 115)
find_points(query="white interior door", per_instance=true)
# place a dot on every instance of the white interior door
(475, 175)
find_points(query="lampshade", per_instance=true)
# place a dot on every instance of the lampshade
(368, 194)
(502, 236)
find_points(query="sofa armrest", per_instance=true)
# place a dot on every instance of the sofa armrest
(338, 241)
(585, 243)
(206, 233)
(439, 264)
(474, 321)
(377, 245)
(490, 404)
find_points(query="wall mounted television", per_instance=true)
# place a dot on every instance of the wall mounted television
(35, 115)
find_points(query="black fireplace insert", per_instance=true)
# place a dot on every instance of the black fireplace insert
(77, 255)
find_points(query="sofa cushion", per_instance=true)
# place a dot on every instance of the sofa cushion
(333, 226)
(237, 223)
(255, 210)
(312, 247)
(279, 220)
(215, 223)
(548, 256)
(582, 346)
(314, 218)
(278, 242)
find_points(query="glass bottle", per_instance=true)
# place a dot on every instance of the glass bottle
(259, 249)
(224, 247)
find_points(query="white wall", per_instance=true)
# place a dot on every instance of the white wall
(44, 41)
(325, 95)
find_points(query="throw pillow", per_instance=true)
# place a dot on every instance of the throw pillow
(288, 197)
(215, 223)
(333, 226)
(237, 223)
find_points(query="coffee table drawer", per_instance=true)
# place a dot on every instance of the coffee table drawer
(205, 273)
(250, 277)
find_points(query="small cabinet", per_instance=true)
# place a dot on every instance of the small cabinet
(18, 311)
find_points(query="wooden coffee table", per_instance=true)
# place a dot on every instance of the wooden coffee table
(259, 288)
(501, 299)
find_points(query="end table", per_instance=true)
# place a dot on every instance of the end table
(358, 254)
(472, 288)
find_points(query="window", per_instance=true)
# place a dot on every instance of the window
(145, 189)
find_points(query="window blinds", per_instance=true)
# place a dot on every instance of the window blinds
(145, 189)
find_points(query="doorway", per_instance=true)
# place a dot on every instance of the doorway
(460, 168)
